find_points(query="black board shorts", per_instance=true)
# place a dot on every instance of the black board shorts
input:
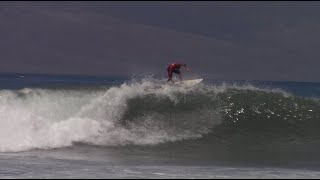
(177, 71)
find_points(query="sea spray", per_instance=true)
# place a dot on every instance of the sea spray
(142, 113)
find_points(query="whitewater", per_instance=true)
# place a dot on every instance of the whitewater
(44, 118)
(131, 128)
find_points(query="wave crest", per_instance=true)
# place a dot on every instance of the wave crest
(140, 113)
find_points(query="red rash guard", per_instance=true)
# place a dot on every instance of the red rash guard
(174, 68)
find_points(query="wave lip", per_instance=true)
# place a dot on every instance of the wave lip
(141, 113)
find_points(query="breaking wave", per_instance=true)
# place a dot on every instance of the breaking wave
(142, 113)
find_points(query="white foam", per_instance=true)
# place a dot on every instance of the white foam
(39, 118)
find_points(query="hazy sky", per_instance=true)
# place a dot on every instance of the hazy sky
(223, 40)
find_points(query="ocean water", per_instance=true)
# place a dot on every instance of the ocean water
(67, 126)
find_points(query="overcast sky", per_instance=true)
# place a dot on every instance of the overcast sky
(223, 40)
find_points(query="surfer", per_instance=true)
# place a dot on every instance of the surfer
(175, 68)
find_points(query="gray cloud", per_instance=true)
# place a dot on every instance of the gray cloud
(227, 40)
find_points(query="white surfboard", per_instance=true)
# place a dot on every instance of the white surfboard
(190, 82)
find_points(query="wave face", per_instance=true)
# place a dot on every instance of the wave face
(141, 113)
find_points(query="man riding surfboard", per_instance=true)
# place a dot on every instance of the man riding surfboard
(175, 68)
